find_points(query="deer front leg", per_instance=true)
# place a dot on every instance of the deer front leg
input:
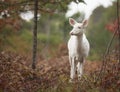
(70, 61)
(73, 69)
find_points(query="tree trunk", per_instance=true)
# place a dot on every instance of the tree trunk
(118, 27)
(35, 35)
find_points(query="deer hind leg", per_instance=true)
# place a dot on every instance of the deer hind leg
(80, 68)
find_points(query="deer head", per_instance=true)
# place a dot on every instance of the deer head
(78, 28)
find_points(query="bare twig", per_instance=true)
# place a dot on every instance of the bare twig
(103, 67)
(118, 28)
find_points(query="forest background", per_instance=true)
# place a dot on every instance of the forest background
(53, 32)
(52, 66)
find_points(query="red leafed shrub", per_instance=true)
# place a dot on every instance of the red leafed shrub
(53, 74)
(15, 76)
(14, 23)
(112, 27)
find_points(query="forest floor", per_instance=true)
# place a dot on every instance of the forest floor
(51, 75)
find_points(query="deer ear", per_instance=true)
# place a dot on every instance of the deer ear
(85, 23)
(72, 21)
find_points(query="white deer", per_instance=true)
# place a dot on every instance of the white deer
(78, 47)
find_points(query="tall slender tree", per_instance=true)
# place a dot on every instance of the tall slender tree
(35, 34)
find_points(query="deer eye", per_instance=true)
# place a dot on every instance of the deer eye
(79, 27)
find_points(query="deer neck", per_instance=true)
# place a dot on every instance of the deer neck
(79, 38)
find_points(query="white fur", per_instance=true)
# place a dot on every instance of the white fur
(78, 47)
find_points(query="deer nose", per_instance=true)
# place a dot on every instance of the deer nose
(71, 33)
